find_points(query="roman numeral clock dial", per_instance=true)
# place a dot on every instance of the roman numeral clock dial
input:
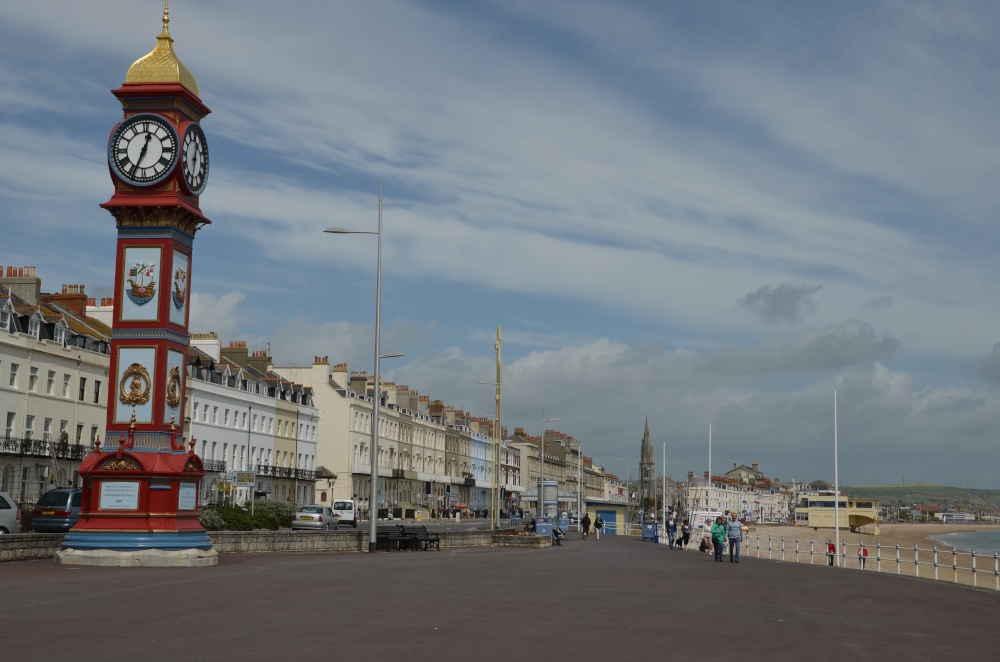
(194, 159)
(143, 149)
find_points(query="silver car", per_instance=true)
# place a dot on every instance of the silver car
(314, 518)
(10, 515)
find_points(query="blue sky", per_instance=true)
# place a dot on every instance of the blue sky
(692, 212)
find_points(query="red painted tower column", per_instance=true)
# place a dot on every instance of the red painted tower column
(141, 488)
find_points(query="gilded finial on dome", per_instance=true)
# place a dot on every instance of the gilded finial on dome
(162, 65)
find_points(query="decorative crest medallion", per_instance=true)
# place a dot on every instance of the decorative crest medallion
(180, 287)
(174, 388)
(141, 281)
(133, 390)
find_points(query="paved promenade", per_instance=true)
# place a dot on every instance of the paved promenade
(614, 599)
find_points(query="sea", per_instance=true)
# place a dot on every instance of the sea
(981, 541)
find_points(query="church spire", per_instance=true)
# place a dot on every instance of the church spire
(647, 471)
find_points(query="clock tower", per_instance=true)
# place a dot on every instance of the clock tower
(141, 488)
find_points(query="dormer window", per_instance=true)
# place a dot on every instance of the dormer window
(33, 327)
(60, 335)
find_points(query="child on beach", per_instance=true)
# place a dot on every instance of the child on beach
(831, 551)
(862, 555)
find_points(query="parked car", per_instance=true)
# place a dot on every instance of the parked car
(10, 515)
(314, 518)
(347, 511)
(56, 511)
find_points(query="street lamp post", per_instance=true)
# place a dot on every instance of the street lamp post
(373, 459)
(497, 434)
(579, 484)
(541, 481)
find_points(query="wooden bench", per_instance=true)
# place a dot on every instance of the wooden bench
(424, 538)
(394, 537)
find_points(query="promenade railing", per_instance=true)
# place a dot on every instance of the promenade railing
(944, 564)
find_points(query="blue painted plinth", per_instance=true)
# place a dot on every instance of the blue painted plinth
(134, 542)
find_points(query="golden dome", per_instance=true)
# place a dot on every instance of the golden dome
(161, 65)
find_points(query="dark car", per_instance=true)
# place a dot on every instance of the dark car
(56, 511)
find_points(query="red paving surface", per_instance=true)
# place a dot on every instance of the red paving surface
(613, 599)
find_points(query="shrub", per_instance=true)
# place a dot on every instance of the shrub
(211, 520)
(236, 519)
(265, 520)
(281, 511)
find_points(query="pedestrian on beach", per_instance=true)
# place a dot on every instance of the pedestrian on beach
(598, 526)
(585, 525)
(734, 532)
(685, 533)
(671, 531)
(862, 555)
(718, 537)
(831, 551)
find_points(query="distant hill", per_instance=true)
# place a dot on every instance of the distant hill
(925, 494)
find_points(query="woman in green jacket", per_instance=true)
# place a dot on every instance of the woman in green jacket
(718, 537)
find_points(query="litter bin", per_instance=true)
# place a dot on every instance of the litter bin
(515, 521)
(543, 526)
(649, 531)
(564, 524)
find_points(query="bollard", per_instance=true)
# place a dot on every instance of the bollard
(796, 550)
(782, 548)
(916, 561)
(954, 563)
(812, 550)
(878, 557)
(897, 559)
(996, 569)
(935, 563)
(973, 568)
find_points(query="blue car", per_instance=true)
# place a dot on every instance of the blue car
(56, 511)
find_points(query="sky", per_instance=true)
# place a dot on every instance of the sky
(693, 213)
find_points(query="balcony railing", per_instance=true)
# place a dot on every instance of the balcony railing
(214, 466)
(271, 471)
(42, 449)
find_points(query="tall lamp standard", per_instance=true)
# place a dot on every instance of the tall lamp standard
(541, 481)
(497, 433)
(373, 460)
(579, 484)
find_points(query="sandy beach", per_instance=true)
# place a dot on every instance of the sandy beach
(779, 543)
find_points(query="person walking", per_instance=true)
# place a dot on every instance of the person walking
(734, 532)
(862, 555)
(585, 525)
(831, 551)
(671, 531)
(598, 526)
(718, 537)
(685, 533)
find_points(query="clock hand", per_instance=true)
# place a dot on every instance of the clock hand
(145, 146)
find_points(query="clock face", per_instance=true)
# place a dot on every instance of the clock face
(143, 149)
(194, 159)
